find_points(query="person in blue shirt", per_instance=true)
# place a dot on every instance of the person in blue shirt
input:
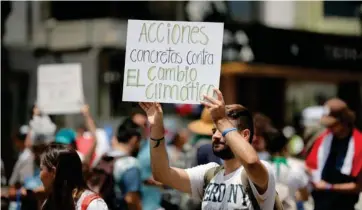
(151, 190)
(127, 170)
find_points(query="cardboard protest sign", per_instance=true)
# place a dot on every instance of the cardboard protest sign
(60, 88)
(171, 61)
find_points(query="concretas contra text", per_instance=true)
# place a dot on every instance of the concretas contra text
(169, 55)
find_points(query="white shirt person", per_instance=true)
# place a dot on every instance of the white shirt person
(231, 142)
(226, 191)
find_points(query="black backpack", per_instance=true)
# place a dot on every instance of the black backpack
(101, 181)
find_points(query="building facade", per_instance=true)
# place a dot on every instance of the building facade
(42, 32)
(287, 60)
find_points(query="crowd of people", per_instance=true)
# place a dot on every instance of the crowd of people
(228, 159)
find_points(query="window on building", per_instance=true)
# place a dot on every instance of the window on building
(241, 10)
(349, 9)
(74, 10)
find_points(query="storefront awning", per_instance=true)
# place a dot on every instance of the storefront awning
(258, 44)
(290, 72)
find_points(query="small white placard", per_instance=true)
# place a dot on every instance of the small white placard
(172, 61)
(60, 88)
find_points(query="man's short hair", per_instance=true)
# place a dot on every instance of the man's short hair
(275, 140)
(129, 123)
(243, 118)
(127, 130)
(261, 123)
(137, 112)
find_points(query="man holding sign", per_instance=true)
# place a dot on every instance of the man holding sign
(242, 182)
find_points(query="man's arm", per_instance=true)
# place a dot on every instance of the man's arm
(302, 194)
(133, 201)
(299, 178)
(28, 142)
(350, 187)
(239, 143)
(240, 146)
(162, 172)
(347, 187)
(132, 187)
(14, 179)
(91, 126)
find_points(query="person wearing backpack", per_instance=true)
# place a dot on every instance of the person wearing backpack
(242, 182)
(291, 179)
(117, 176)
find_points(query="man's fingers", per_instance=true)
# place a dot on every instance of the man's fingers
(148, 105)
(219, 95)
(212, 100)
(143, 106)
(207, 104)
(158, 106)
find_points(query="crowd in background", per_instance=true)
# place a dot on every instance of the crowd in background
(118, 166)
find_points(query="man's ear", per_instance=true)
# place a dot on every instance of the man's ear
(246, 134)
(133, 140)
(53, 171)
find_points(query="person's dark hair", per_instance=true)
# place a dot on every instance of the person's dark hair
(320, 98)
(275, 140)
(128, 123)
(127, 130)
(82, 126)
(68, 179)
(261, 123)
(137, 112)
(243, 117)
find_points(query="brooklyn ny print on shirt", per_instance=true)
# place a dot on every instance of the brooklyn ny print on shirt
(227, 192)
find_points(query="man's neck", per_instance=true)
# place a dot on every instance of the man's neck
(280, 154)
(179, 146)
(231, 165)
(123, 148)
(344, 134)
(21, 149)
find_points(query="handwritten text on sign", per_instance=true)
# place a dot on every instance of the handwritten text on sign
(60, 88)
(172, 62)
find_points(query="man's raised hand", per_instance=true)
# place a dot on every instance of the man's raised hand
(36, 111)
(153, 111)
(85, 109)
(215, 106)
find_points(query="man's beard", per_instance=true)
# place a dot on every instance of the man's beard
(225, 154)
